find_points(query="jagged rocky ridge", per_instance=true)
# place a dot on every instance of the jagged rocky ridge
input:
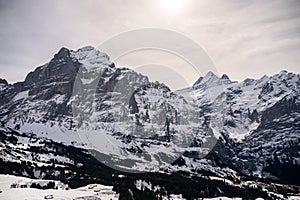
(83, 91)
(257, 121)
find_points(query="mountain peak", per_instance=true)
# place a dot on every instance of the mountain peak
(210, 74)
(283, 72)
(61, 54)
(3, 84)
(90, 54)
(224, 76)
(207, 79)
(3, 81)
(86, 48)
(210, 77)
(63, 49)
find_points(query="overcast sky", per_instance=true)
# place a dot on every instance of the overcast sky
(243, 38)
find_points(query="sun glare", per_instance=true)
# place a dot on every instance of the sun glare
(172, 6)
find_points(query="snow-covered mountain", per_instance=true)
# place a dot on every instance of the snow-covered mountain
(80, 97)
(257, 119)
(216, 128)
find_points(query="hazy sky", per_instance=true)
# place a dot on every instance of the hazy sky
(243, 38)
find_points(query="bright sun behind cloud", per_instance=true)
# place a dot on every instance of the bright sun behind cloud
(172, 7)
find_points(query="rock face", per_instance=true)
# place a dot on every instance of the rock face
(43, 96)
(256, 121)
(61, 71)
(83, 91)
(44, 92)
(3, 86)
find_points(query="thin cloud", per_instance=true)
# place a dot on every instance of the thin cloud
(238, 35)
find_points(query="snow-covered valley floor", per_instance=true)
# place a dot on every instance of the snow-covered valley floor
(19, 188)
(14, 188)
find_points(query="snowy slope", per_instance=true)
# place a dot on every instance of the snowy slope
(41, 104)
(81, 98)
(257, 121)
(14, 188)
(239, 106)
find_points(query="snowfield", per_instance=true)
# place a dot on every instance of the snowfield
(21, 190)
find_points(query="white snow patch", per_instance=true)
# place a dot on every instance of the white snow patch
(21, 95)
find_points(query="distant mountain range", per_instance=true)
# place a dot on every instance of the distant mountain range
(224, 137)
